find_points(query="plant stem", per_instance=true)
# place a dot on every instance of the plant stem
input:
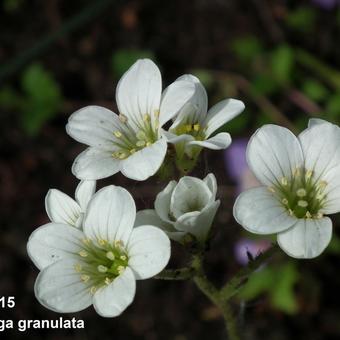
(176, 274)
(209, 290)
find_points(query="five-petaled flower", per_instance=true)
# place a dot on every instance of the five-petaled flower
(194, 124)
(130, 142)
(99, 264)
(301, 184)
(186, 207)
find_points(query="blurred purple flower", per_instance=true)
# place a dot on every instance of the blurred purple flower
(253, 247)
(326, 4)
(237, 167)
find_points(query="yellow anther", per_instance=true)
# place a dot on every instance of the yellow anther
(271, 189)
(322, 185)
(319, 215)
(83, 253)
(197, 127)
(123, 118)
(308, 214)
(107, 281)
(188, 127)
(86, 241)
(119, 243)
(284, 181)
(296, 172)
(110, 255)
(301, 192)
(320, 197)
(156, 113)
(122, 155)
(141, 135)
(291, 212)
(120, 269)
(146, 117)
(123, 257)
(140, 143)
(132, 151)
(148, 143)
(302, 203)
(102, 242)
(118, 134)
(93, 289)
(309, 174)
(284, 201)
(102, 269)
(78, 268)
(85, 278)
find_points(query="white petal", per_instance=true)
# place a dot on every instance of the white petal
(196, 109)
(59, 288)
(146, 162)
(315, 121)
(259, 212)
(149, 217)
(139, 91)
(162, 202)
(320, 145)
(210, 181)
(198, 223)
(110, 215)
(222, 113)
(190, 194)
(93, 126)
(52, 242)
(220, 141)
(94, 164)
(273, 152)
(148, 250)
(173, 99)
(84, 192)
(174, 139)
(307, 239)
(112, 300)
(61, 208)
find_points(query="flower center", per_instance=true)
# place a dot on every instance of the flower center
(303, 196)
(195, 130)
(135, 135)
(101, 263)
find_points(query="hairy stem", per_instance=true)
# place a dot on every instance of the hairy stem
(185, 273)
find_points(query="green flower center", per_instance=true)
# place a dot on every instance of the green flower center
(303, 195)
(194, 130)
(101, 263)
(129, 140)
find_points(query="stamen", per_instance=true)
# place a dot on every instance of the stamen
(319, 215)
(102, 269)
(146, 117)
(107, 281)
(271, 189)
(148, 143)
(284, 181)
(188, 128)
(156, 113)
(110, 255)
(85, 278)
(284, 201)
(140, 143)
(302, 203)
(77, 267)
(290, 211)
(123, 257)
(93, 289)
(102, 242)
(132, 151)
(123, 118)
(296, 172)
(118, 134)
(120, 270)
(301, 192)
(86, 241)
(309, 174)
(83, 253)
(197, 127)
(308, 214)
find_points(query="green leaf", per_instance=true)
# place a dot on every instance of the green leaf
(302, 19)
(247, 48)
(124, 58)
(282, 63)
(264, 84)
(42, 98)
(315, 90)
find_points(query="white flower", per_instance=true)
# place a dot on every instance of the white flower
(188, 206)
(131, 142)
(100, 264)
(301, 184)
(61, 208)
(194, 124)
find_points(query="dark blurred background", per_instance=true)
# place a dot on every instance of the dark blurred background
(281, 58)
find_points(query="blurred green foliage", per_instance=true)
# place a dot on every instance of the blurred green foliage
(39, 100)
(277, 283)
(11, 5)
(122, 59)
(302, 19)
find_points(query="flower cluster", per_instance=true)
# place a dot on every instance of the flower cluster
(95, 248)
(97, 245)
